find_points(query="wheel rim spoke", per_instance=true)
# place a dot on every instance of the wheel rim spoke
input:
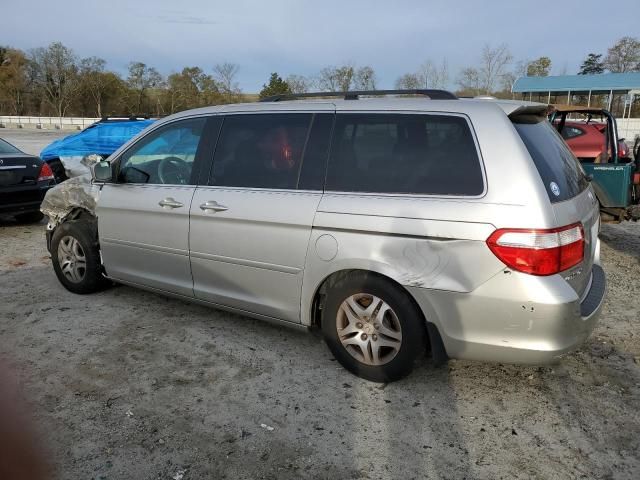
(72, 259)
(368, 329)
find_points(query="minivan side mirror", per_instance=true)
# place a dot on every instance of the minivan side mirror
(102, 172)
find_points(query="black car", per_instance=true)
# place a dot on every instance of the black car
(24, 179)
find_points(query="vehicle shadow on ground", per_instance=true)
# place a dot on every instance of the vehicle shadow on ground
(133, 384)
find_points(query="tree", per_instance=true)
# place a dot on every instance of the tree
(276, 86)
(96, 82)
(431, 76)
(298, 83)
(494, 62)
(55, 73)
(365, 79)
(470, 81)
(140, 80)
(13, 79)
(592, 65)
(225, 75)
(624, 56)
(539, 67)
(336, 79)
(409, 81)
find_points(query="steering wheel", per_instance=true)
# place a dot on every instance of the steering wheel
(174, 170)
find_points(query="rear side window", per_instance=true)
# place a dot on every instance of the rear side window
(7, 147)
(404, 153)
(558, 167)
(261, 150)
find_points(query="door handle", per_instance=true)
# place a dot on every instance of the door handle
(213, 205)
(169, 202)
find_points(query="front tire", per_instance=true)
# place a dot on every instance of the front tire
(76, 257)
(372, 327)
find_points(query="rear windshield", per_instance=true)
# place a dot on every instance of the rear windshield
(7, 147)
(558, 167)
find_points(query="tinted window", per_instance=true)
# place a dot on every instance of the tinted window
(399, 153)
(7, 147)
(571, 132)
(165, 156)
(261, 150)
(559, 169)
(314, 164)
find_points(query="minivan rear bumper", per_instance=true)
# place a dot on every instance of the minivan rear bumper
(514, 318)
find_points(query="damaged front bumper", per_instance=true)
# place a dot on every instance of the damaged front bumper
(71, 196)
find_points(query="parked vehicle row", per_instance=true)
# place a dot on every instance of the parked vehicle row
(395, 225)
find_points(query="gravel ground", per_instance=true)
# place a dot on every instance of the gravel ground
(129, 384)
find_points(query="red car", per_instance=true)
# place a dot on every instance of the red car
(586, 140)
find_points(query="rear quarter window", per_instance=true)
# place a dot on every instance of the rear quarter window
(428, 154)
(559, 169)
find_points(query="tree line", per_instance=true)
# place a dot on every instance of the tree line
(54, 81)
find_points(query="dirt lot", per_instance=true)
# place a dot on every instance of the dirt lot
(128, 384)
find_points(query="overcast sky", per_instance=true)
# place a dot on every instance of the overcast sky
(393, 36)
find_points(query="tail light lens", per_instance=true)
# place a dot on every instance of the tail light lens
(636, 178)
(45, 173)
(539, 252)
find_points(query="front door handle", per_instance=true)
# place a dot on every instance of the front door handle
(169, 202)
(214, 206)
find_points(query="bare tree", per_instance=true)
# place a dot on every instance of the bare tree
(298, 83)
(225, 75)
(471, 80)
(624, 56)
(55, 72)
(494, 62)
(432, 76)
(95, 80)
(364, 79)
(336, 79)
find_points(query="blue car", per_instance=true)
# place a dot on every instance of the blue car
(65, 155)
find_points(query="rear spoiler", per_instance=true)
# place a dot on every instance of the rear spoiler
(529, 114)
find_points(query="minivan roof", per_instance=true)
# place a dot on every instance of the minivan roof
(462, 105)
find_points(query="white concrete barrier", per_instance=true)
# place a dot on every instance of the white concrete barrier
(47, 122)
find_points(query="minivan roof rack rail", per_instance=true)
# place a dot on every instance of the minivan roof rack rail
(433, 94)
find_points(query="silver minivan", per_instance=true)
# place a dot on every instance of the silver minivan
(398, 225)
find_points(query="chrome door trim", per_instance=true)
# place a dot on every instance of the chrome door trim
(145, 246)
(247, 263)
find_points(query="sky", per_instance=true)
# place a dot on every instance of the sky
(301, 37)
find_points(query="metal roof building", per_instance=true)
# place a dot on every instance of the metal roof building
(570, 86)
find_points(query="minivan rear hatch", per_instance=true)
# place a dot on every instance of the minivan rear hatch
(568, 189)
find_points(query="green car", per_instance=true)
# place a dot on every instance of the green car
(615, 178)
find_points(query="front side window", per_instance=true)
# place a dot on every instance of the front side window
(164, 156)
(261, 150)
(404, 153)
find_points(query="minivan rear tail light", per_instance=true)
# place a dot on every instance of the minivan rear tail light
(636, 178)
(539, 252)
(45, 173)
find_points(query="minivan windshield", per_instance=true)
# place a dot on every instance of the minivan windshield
(560, 170)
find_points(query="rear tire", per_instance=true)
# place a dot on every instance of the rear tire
(373, 327)
(76, 257)
(29, 217)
